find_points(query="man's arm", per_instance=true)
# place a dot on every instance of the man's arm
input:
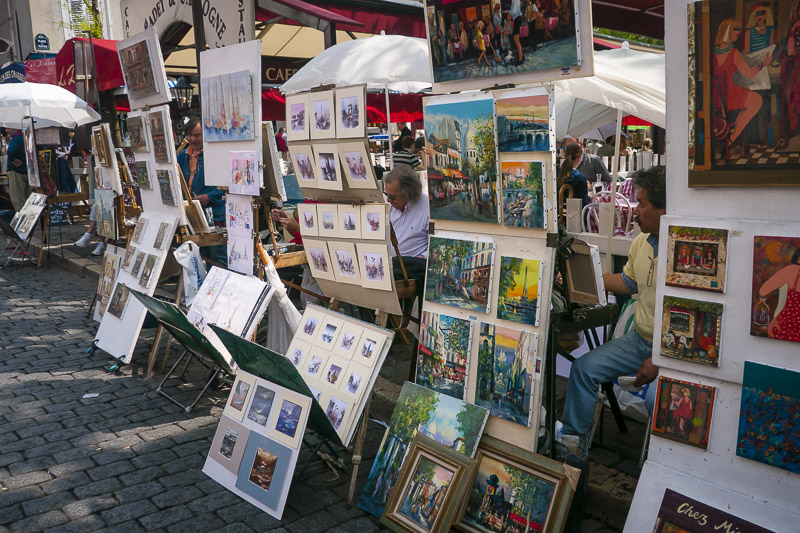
(614, 283)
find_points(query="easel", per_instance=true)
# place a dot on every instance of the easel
(13, 237)
(60, 199)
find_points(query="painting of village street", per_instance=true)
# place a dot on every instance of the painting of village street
(523, 194)
(518, 295)
(444, 343)
(523, 124)
(462, 165)
(450, 422)
(504, 379)
(459, 273)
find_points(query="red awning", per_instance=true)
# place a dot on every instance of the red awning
(309, 9)
(630, 120)
(405, 107)
(109, 71)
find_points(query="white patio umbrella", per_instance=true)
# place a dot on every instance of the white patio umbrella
(49, 105)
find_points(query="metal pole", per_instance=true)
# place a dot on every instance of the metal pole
(389, 127)
(612, 211)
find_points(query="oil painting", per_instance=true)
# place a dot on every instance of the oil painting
(142, 170)
(164, 177)
(523, 124)
(158, 129)
(697, 258)
(523, 194)
(518, 294)
(691, 330)
(444, 346)
(776, 288)
(137, 65)
(265, 470)
(674, 518)
(683, 411)
(137, 132)
(227, 107)
(460, 273)
(119, 299)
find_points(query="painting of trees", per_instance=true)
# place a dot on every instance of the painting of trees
(509, 268)
(533, 495)
(469, 422)
(456, 333)
(414, 407)
(484, 144)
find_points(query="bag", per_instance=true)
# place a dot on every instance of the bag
(550, 23)
(523, 30)
(188, 256)
(486, 42)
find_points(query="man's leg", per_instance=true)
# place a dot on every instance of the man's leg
(17, 189)
(618, 357)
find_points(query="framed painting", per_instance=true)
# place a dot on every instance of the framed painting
(137, 132)
(321, 108)
(328, 168)
(139, 229)
(523, 123)
(523, 194)
(310, 325)
(328, 219)
(674, 517)
(335, 371)
(691, 330)
(130, 253)
(355, 379)
(118, 301)
(243, 173)
(265, 470)
(229, 443)
(297, 117)
(262, 401)
(443, 358)
(430, 485)
(137, 264)
(374, 225)
(351, 112)
(164, 177)
(376, 266)
(462, 163)
(102, 150)
(347, 342)
(319, 260)
(240, 394)
(369, 348)
(460, 273)
(358, 169)
(743, 112)
(288, 427)
(157, 121)
(329, 331)
(227, 107)
(337, 410)
(147, 271)
(161, 235)
(697, 258)
(105, 211)
(315, 363)
(776, 290)
(345, 262)
(297, 352)
(683, 411)
(307, 216)
(144, 176)
(515, 488)
(349, 222)
(305, 165)
(518, 294)
(143, 69)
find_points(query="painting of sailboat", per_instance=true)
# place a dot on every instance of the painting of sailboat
(227, 107)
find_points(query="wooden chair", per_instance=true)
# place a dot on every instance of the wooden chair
(566, 191)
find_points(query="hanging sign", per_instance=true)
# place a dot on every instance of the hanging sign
(13, 73)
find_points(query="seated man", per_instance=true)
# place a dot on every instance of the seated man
(630, 353)
(591, 166)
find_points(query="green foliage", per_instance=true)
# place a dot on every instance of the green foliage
(444, 254)
(510, 267)
(414, 407)
(484, 143)
(470, 419)
(630, 37)
(528, 490)
(534, 179)
(425, 469)
(93, 24)
(456, 334)
(699, 234)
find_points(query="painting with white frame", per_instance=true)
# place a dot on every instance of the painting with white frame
(329, 171)
(305, 165)
(321, 112)
(297, 118)
(328, 220)
(345, 262)
(307, 217)
(135, 71)
(357, 165)
(376, 266)
(351, 112)
(319, 260)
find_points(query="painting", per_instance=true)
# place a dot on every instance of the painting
(700, 518)
(355, 377)
(265, 470)
(137, 132)
(261, 405)
(683, 411)
(158, 129)
(373, 222)
(431, 483)
(523, 194)
(376, 266)
(319, 261)
(743, 85)
(305, 165)
(776, 291)
(99, 146)
(444, 346)
(147, 271)
(328, 168)
(240, 253)
(297, 352)
(511, 489)
(289, 425)
(227, 107)
(335, 369)
(460, 273)
(143, 176)
(315, 362)
(518, 294)
(229, 443)
(523, 124)
(240, 394)
(336, 410)
(505, 375)
(309, 325)
(307, 216)
(345, 262)
(358, 169)
(349, 221)
(119, 299)
(29, 143)
(243, 175)
(323, 123)
(165, 187)
(139, 230)
(106, 213)
(296, 118)
(138, 67)
(697, 258)
(328, 218)
(769, 420)
(111, 262)
(328, 332)
(691, 330)
(420, 411)
(462, 163)
(348, 340)
(161, 235)
(130, 253)
(137, 264)
(351, 112)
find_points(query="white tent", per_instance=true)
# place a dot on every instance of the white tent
(49, 105)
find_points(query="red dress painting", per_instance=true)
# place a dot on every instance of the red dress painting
(786, 325)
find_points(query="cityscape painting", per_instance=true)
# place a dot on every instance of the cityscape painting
(459, 273)
(523, 194)
(444, 345)
(518, 295)
(523, 124)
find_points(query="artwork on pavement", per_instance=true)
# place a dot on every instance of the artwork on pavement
(674, 518)
(227, 107)
(697, 258)
(518, 295)
(523, 194)
(691, 330)
(460, 273)
(744, 82)
(769, 420)
(683, 411)
(523, 124)
(776, 288)
(462, 163)
(444, 346)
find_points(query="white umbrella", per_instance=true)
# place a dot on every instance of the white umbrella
(49, 105)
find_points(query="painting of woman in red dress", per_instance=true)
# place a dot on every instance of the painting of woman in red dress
(682, 412)
(786, 323)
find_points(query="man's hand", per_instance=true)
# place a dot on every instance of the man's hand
(647, 372)
(203, 199)
(291, 225)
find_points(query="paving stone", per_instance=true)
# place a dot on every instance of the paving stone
(320, 500)
(213, 502)
(62, 469)
(128, 511)
(47, 503)
(29, 478)
(166, 517)
(68, 482)
(131, 526)
(105, 486)
(140, 476)
(313, 523)
(183, 478)
(39, 463)
(185, 463)
(11, 514)
(153, 459)
(199, 524)
(111, 456)
(111, 470)
(10, 458)
(361, 525)
(93, 505)
(236, 527)
(177, 496)
(39, 522)
(87, 523)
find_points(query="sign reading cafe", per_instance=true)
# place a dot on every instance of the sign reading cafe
(226, 21)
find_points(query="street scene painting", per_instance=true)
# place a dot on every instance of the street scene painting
(769, 421)
(424, 493)
(137, 64)
(506, 366)
(518, 294)
(691, 330)
(451, 422)
(523, 124)
(683, 411)
(523, 194)
(459, 273)
(462, 163)
(444, 345)
(227, 107)
(495, 38)
(697, 258)
(776, 288)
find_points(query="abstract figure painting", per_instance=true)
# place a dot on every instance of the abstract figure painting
(227, 107)
(776, 288)
(460, 273)
(444, 345)
(523, 124)
(683, 411)
(769, 421)
(697, 258)
(518, 297)
(523, 194)
(691, 330)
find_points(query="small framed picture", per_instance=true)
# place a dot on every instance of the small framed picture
(297, 352)
(315, 363)
(137, 264)
(697, 258)
(310, 325)
(265, 470)
(137, 132)
(118, 301)
(240, 394)
(288, 426)
(296, 118)
(127, 261)
(158, 124)
(369, 348)
(329, 171)
(376, 266)
(307, 216)
(319, 261)
(347, 342)
(161, 236)
(262, 401)
(335, 371)
(329, 332)
(138, 232)
(683, 411)
(349, 221)
(323, 125)
(337, 409)
(147, 271)
(243, 173)
(358, 169)
(351, 112)
(355, 379)
(345, 262)
(691, 330)
(228, 445)
(305, 165)
(328, 219)
(144, 176)
(373, 221)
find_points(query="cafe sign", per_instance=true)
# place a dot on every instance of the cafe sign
(277, 71)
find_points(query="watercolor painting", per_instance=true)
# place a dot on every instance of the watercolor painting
(336, 411)
(523, 194)
(227, 107)
(523, 124)
(518, 295)
(459, 273)
(444, 345)
(697, 258)
(243, 173)
(776, 288)
(296, 118)
(683, 411)
(261, 405)
(288, 418)
(691, 330)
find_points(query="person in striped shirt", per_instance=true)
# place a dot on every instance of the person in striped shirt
(404, 156)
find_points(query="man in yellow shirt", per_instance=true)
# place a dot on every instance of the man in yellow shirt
(630, 353)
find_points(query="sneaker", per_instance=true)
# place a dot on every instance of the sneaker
(84, 241)
(99, 249)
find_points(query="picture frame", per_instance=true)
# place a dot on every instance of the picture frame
(143, 69)
(236, 122)
(328, 332)
(460, 271)
(297, 351)
(552, 481)
(229, 444)
(346, 343)
(351, 111)
(137, 264)
(261, 408)
(130, 253)
(329, 171)
(584, 274)
(376, 266)
(139, 230)
(31, 158)
(263, 455)
(239, 398)
(144, 176)
(369, 348)
(161, 235)
(335, 371)
(243, 172)
(307, 217)
(119, 300)
(321, 111)
(157, 121)
(774, 267)
(310, 325)
(673, 518)
(315, 363)
(166, 186)
(328, 220)
(357, 165)
(305, 165)
(147, 271)
(101, 149)
(354, 380)
(697, 258)
(526, 112)
(374, 222)
(293, 409)
(319, 260)
(297, 118)
(429, 468)
(349, 220)
(137, 132)
(346, 268)
(691, 330)
(683, 411)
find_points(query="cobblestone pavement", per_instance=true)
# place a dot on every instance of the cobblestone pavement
(128, 459)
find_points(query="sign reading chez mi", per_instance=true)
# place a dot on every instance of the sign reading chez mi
(226, 21)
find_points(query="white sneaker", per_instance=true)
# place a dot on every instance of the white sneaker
(100, 249)
(84, 241)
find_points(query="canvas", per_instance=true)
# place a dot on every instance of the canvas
(374, 224)
(321, 108)
(523, 194)
(744, 82)
(769, 420)
(137, 132)
(349, 222)
(376, 266)
(518, 294)
(147, 271)
(241, 391)
(161, 151)
(161, 235)
(307, 217)
(165, 187)
(297, 121)
(265, 466)
(460, 273)
(227, 107)
(358, 169)
(462, 163)
(305, 164)
(776, 279)
(523, 124)
(444, 347)
(143, 174)
(239, 213)
(681, 514)
(119, 299)
(448, 421)
(329, 170)
(243, 173)
(345, 262)
(351, 112)
(138, 66)
(683, 411)
(319, 260)
(691, 330)
(229, 444)
(697, 258)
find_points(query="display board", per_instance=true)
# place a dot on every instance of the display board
(143, 69)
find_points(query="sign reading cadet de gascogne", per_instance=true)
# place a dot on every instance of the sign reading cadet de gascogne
(226, 21)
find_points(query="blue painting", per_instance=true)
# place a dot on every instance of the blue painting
(227, 107)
